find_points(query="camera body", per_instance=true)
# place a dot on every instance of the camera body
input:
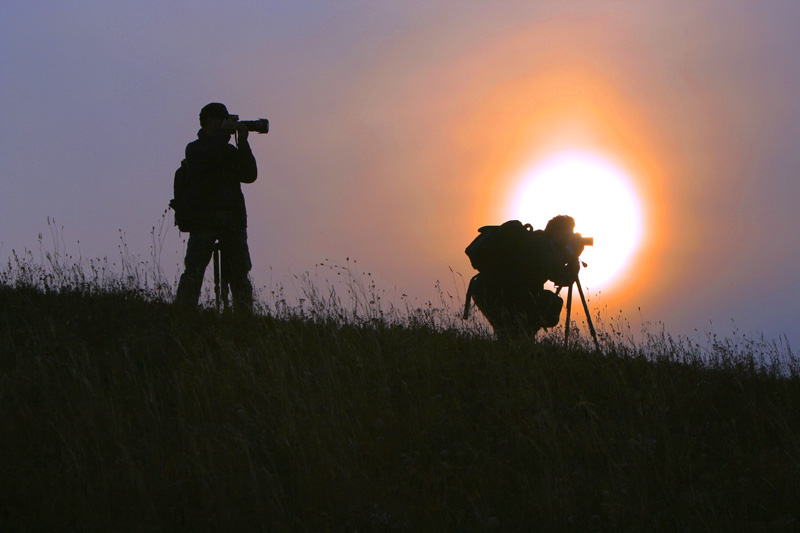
(259, 126)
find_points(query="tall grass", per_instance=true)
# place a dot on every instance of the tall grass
(335, 409)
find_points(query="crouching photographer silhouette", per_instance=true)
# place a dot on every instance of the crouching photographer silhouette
(514, 262)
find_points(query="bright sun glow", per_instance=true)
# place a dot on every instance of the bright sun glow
(599, 198)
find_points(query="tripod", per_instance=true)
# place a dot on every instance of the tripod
(585, 310)
(221, 283)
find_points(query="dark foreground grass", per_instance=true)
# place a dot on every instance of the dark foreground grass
(121, 414)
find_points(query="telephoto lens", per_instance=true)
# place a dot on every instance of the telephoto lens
(259, 126)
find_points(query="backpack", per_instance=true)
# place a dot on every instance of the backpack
(511, 250)
(179, 187)
(499, 249)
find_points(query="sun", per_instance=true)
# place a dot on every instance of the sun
(598, 196)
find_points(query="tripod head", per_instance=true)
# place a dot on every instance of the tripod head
(575, 244)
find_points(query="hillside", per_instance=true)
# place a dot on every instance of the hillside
(122, 413)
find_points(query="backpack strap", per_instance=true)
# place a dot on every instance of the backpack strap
(468, 298)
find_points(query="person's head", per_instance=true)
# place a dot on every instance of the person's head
(212, 116)
(560, 228)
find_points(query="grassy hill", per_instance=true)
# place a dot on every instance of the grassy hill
(120, 412)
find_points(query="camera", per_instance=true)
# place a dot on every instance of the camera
(576, 239)
(259, 126)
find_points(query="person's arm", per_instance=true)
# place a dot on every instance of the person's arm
(245, 163)
(246, 168)
(563, 264)
(575, 245)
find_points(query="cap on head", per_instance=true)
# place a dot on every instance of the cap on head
(213, 110)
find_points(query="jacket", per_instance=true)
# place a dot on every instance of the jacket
(208, 195)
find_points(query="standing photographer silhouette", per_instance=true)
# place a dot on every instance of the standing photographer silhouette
(209, 204)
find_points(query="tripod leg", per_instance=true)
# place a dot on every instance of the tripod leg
(569, 310)
(215, 258)
(588, 317)
(225, 280)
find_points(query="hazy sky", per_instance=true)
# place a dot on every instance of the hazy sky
(399, 128)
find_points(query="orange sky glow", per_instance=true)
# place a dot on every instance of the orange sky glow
(398, 129)
(550, 110)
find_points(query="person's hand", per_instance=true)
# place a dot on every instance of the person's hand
(230, 124)
(566, 274)
(575, 244)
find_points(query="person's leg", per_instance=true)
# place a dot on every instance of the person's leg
(236, 255)
(547, 307)
(528, 316)
(508, 306)
(490, 297)
(198, 254)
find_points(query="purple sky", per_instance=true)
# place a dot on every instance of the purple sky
(397, 127)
